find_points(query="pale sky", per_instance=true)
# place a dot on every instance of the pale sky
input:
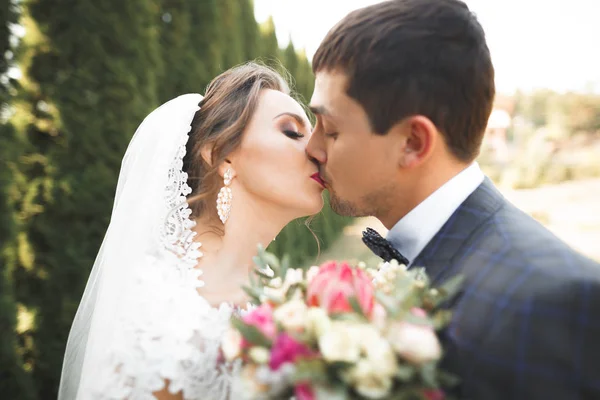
(534, 43)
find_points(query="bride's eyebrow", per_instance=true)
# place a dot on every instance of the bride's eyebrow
(297, 117)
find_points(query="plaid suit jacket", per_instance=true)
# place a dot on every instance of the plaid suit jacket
(526, 324)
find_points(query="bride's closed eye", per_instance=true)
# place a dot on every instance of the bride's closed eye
(293, 134)
(290, 125)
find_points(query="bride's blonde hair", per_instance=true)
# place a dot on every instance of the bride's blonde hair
(228, 105)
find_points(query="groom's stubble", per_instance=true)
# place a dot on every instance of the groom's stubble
(369, 204)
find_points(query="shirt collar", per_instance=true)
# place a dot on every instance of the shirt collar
(411, 234)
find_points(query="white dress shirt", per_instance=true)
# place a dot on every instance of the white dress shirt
(411, 234)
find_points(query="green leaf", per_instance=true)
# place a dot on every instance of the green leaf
(285, 265)
(441, 319)
(452, 286)
(331, 392)
(253, 293)
(447, 379)
(273, 262)
(251, 333)
(337, 365)
(428, 374)
(417, 320)
(356, 306)
(405, 373)
(388, 303)
(293, 289)
(313, 370)
(264, 273)
(259, 262)
(265, 261)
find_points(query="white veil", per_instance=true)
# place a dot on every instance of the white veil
(149, 228)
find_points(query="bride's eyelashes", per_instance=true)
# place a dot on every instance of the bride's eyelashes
(293, 134)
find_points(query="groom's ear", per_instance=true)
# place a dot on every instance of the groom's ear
(418, 136)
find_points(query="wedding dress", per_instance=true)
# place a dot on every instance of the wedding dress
(142, 324)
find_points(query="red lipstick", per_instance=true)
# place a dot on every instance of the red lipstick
(318, 178)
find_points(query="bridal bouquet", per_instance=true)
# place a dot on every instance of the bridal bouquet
(339, 332)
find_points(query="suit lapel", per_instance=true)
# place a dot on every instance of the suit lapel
(437, 256)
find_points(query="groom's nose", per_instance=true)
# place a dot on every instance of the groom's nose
(316, 149)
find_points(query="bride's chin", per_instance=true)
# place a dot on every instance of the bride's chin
(315, 206)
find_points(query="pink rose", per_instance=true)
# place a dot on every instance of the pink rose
(335, 283)
(262, 318)
(304, 391)
(287, 350)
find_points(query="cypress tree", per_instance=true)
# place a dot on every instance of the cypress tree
(290, 59)
(305, 81)
(269, 46)
(206, 42)
(89, 79)
(190, 46)
(231, 38)
(175, 32)
(14, 381)
(250, 31)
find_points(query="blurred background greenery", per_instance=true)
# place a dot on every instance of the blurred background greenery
(77, 77)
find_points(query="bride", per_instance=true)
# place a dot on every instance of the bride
(204, 180)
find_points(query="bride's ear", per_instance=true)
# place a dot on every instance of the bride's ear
(206, 153)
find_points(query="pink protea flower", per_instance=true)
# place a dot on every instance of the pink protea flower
(335, 283)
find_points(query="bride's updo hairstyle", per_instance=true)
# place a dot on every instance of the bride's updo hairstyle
(228, 105)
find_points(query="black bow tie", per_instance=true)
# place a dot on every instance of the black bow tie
(382, 247)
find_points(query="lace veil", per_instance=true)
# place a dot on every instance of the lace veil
(143, 277)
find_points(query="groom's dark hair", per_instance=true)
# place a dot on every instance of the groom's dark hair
(416, 57)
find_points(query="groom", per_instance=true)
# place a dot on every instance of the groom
(403, 93)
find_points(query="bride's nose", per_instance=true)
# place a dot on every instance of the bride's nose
(315, 149)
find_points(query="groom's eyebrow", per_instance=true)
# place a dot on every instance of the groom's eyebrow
(318, 110)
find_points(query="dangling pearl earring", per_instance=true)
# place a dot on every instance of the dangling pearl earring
(224, 198)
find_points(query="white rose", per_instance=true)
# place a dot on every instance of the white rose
(317, 321)
(417, 344)
(292, 277)
(377, 350)
(259, 355)
(292, 315)
(231, 344)
(368, 382)
(340, 343)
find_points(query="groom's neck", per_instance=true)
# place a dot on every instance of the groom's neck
(407, 195)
